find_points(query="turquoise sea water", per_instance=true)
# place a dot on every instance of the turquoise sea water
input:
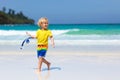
(78, 33)
(74, 29)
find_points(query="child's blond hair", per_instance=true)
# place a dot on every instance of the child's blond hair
(43, 19)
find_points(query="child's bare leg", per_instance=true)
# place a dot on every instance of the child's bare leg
(47, 63)
(40, 63)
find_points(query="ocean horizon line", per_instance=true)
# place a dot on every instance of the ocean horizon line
(69, 24)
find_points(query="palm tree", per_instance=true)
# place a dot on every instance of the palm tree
(10, 11)
(13, 12)
(4, 9)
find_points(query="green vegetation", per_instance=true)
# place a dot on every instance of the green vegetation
(11, 17)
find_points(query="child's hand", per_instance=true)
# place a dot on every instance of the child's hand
(53, 45)
(33, 36)
(52, 41)
(27, 33)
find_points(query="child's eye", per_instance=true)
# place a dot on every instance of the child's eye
(44, 22)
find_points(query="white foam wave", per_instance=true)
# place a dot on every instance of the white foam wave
(15, 32)
(88, 37)
(74, 29)
(59, 32)
(87, 42)
(67, 42)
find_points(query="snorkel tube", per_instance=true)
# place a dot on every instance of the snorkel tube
(25, 41)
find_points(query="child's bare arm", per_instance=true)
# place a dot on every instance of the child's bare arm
(52, 41)
(33, 36)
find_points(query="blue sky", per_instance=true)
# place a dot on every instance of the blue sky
(68, 11)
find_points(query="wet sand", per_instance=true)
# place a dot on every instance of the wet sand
(67, 63)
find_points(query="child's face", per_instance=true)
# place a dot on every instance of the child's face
(44, 24)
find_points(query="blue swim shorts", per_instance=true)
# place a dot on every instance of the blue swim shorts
(41, 50)
(41, 53)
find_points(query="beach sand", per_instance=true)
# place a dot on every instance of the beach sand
(85, 62)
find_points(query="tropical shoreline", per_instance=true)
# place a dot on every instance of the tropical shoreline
(84, 50)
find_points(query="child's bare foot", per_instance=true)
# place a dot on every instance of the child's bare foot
(48, 66)
(37, 71)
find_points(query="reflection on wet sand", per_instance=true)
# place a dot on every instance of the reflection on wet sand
(46, 74)
(41, 77)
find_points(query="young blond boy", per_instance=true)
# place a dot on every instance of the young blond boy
(42, 36)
